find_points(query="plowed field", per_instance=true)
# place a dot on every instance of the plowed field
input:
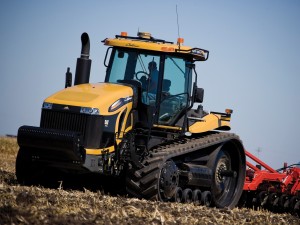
(38, 205)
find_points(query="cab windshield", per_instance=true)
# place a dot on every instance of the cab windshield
(129, 65)
(165, 80)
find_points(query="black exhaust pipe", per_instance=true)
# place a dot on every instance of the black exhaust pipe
(83, 66)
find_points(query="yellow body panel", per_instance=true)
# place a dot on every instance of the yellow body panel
(99, 151)
(162, 47)
(100, 95)
(210, 122)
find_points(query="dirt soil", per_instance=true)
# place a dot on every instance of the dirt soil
(38, 205)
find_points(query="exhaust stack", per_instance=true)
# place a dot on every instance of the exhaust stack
(83, 66)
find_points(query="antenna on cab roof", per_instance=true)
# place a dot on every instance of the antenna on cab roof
(179, 39)
(177, 22)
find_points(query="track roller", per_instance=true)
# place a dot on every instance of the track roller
(187, 195)
(196, 196)
(206, 198)
(178, 195)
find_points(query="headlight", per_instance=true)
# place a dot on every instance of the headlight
(47, 105)
(89, 110)
(119, 103)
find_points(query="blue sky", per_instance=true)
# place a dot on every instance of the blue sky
(254, 64)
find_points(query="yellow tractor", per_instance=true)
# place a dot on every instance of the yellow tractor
(144, 126)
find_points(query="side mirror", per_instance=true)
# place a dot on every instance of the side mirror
(199, 94)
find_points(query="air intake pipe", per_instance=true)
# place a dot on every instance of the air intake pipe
(83, 66)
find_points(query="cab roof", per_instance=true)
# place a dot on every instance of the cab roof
(145, 41)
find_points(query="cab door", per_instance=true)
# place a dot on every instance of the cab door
(175, 90)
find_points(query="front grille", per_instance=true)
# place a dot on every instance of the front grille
(64, 121)
(90, 126)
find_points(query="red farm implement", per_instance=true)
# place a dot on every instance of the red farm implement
(276, 190)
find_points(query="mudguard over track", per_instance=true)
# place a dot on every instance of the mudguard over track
(143, 183)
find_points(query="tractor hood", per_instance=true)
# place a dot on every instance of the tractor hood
(100, 95)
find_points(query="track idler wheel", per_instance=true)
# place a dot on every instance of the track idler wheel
(228, 166)
(168, 181)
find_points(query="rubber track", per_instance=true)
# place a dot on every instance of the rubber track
(143, 183)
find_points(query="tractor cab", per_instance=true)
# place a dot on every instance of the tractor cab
(160, 72)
